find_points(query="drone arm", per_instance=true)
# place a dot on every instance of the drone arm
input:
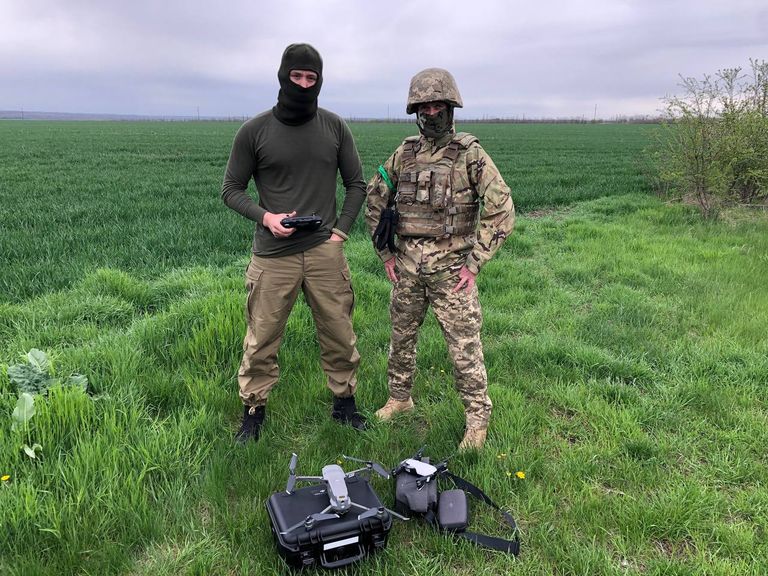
(396, 515)
(367, 512)
(356, 505)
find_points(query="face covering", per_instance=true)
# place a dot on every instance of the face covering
(297, 105)
(437, 125)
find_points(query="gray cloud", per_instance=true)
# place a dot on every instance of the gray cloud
(511, 58)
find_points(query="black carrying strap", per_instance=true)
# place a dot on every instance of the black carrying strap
(508, 546)
(384, 235)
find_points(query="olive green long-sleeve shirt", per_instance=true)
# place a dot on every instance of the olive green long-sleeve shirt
(294, 168)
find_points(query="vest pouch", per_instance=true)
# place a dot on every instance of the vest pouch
(424, 184)
(406, 188)
(440, 189)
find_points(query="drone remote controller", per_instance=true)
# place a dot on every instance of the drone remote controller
(302, 222)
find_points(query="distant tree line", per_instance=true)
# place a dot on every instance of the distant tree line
(642, 119)
(35, 115)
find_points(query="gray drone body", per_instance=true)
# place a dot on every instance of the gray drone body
(336, 487)
(334, 480)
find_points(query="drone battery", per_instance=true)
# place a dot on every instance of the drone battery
(452, 511)
(333, 542)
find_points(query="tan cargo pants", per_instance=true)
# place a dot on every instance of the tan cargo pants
(273, 284)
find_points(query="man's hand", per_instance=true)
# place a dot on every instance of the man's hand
(466, 280)
(389, 266)
(336, 238)
(272, 222)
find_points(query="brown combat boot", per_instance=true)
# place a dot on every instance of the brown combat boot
(392, 407)
(474, 438)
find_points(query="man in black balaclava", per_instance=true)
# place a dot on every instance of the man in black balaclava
(293, 153)
(301, 77)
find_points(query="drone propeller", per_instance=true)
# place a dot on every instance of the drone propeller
(291, 474)
(371, 512)
(309, 522)
(379, 512)
(320, 516)
(378, 468)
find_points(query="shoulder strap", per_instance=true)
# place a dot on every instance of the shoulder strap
(460, 141)
(409, 147)
(410, 144)
(508, 546)
(465, 139)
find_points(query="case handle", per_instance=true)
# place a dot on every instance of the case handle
(342, 561)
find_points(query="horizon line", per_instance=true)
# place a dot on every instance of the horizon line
(524, 118)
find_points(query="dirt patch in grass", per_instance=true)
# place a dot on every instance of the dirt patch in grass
(544, 212)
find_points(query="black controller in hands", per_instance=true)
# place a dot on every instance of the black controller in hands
(302, 222)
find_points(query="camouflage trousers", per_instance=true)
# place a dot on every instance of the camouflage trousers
(460, 319)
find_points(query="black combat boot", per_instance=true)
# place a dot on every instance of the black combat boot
(345, 412)
(253, 418)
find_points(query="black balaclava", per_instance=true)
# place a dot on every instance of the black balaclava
(436, 126)
(297, 105)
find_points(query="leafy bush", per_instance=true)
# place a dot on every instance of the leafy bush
(36, 375)
(713, 146)
(22, 414)
(33, 377)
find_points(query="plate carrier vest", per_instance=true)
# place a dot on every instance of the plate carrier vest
(425, 199)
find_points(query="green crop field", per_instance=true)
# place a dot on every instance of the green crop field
(625, 343)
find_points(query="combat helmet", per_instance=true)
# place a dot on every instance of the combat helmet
(433, 85)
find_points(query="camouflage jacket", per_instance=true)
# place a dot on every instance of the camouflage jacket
(476, 178)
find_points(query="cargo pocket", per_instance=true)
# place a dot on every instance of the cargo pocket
(252, 286)
(348, 281)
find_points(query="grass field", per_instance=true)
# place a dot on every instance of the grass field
(625, 342)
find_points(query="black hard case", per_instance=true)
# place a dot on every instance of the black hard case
(331, 543)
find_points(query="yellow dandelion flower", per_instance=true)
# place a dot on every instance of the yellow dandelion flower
(5, 478)
(339, 462)
(509, 474)
(502, 455)
(520, 474)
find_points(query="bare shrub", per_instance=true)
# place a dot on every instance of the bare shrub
(713, 144)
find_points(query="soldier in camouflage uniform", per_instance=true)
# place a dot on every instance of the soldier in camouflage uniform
(455, 211)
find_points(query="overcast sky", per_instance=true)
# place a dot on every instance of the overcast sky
(511, 58)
